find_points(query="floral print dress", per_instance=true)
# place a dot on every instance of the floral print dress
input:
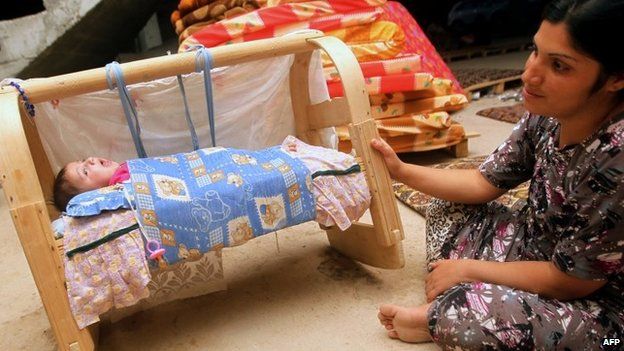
(574, 217)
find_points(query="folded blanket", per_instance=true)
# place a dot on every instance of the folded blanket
(323, 24)
(186, 6)
(447, 103)
(339, 199)
(192, 29)
(272, 3)
(415, 132)
(398, 83)
(215, 11)
(428, 140)
(400, 96)
(375, 41)
(413, 123)
(399, 65)
(175, 16)
(270, 22)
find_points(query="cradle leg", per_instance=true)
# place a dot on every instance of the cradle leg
(26, 203)
(459, 150)
(499, 88)
(46, 268)
(360, 243)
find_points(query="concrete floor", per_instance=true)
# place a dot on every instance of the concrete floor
(302, 296)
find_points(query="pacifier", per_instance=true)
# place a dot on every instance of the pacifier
(155, 251)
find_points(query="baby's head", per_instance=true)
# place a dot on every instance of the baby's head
(81, 176)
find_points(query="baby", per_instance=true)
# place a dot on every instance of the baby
(89, 174)
(93, 173)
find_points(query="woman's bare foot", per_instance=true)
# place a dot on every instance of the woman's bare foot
(406, 324)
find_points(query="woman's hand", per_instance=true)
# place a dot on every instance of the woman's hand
(390, 157)
(445, 274)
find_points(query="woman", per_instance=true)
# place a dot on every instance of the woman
(551, 275)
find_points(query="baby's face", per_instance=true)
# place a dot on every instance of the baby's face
(91, 173)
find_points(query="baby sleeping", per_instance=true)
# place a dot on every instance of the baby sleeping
(339, 189)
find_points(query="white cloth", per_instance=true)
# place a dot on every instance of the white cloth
(252, 110)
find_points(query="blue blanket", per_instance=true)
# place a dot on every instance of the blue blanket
(212, 198)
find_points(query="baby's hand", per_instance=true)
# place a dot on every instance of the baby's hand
(292, 147)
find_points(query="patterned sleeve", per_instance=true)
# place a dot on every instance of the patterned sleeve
(512, 162)
(592, 242)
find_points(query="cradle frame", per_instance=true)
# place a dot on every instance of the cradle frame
(27, 177)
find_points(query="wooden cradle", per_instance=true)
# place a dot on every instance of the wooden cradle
(27, 176)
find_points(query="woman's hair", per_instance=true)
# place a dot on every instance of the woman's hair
(63, 190)
(595, 27)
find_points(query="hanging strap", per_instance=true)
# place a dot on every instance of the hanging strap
(203, 61)
(189, 121)
(126, 102)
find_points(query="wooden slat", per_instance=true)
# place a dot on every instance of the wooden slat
(330, 113)
(384, 210)
(33, 228)
(360, 243)
(17, 169)
(87, 81)
(60, 246)
(299, 80)
(42, 164)
(350, 75)
(460, 149)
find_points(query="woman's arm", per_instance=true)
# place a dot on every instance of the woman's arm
(466, 186)
(542, 278)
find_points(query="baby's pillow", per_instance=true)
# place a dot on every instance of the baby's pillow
(94, 202)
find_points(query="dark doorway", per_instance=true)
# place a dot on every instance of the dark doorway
(19, 8)
(460, 24)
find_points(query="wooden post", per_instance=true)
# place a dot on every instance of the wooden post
(300, 98)
(460, 150)
(362, 129)
(42, 164)
(359, 243)
(499, 88)
(32, 223)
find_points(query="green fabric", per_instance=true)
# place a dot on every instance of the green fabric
(102, 240)
(353, 169)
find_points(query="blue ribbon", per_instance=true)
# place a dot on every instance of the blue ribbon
(189, 121)
(204, 61)
(126, 102)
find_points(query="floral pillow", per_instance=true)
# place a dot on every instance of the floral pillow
(94, 202)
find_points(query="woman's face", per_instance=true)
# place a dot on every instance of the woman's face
(558, 79)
